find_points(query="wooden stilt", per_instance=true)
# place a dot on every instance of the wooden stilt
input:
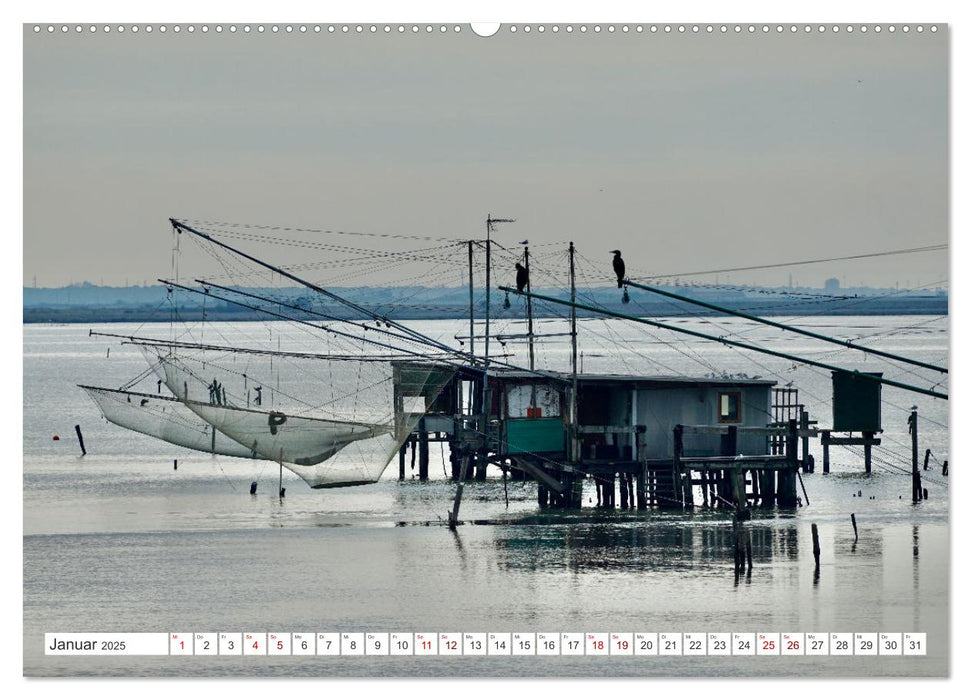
(825, 442)
(641, 489)
(422, 451)
(816, 546)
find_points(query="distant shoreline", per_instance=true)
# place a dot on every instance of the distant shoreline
(921, 306)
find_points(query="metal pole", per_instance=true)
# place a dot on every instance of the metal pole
(529, 318)
(471, 310)
(783, 326)
(574, 399)
(726, 341)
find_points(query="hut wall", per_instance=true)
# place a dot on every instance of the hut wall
(662, 409)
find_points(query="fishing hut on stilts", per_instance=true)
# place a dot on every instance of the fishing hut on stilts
(671, 442)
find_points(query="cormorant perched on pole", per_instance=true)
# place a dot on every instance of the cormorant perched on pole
(522, 278)
(619, 268)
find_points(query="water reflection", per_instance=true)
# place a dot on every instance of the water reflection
(612, 545)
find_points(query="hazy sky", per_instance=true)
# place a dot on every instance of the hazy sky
(689, 152)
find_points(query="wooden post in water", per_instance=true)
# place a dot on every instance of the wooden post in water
(77, 429)
(422, 451)
(804, 429)
(927, 457)
(915, 474)
(623, 491)
(786, 495)
(642, 488)
(825, 441)
(856, 535)
(816, 547)
(681, 478)
(737, 544)
(748, 549)
(868, 450)
(401, 460)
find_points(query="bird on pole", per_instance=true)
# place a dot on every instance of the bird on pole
(619, 268)
(522, 278)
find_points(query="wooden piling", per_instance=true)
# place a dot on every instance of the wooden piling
(868, 451)
(175, 465)
(623, 491)
(77, 429)
(786, 492)
(748, 549)
(422, 451)
(825, 442)
(481, 464)
(944, 468)
(678, 453)
(915, 474)
(927, 457)
(856, 535)
(804, 429)
(737, 545)
(641, 488)
(401, 460)
(816, 544)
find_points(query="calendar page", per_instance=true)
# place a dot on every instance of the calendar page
(526, 349)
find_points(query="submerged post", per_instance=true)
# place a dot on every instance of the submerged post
(856, 535)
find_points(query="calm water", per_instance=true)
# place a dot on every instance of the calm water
(119, 541)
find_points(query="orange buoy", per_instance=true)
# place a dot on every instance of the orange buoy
(57, 437)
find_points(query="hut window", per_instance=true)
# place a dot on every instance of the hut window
(521, 398)
(730, 407)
